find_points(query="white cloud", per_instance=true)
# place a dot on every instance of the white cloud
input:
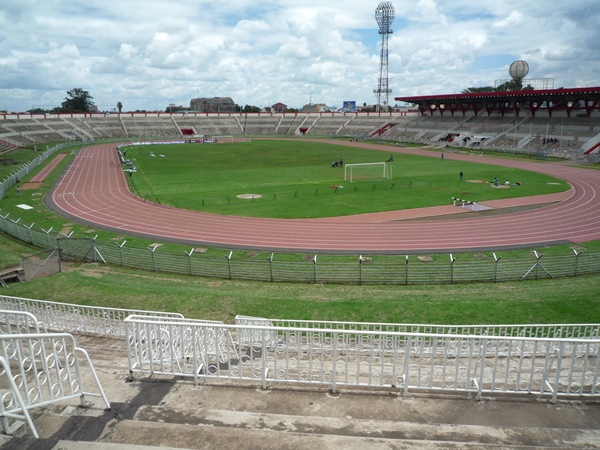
(514, 18)
(150, 54)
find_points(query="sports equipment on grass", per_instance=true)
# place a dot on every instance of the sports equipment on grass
(228, 139)
(367, 171)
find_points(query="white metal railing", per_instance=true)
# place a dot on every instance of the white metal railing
(474, 364)
(12, 397)
(71, 318)
(42, 368)
(578, 331)
(555, 359)
(20, 322)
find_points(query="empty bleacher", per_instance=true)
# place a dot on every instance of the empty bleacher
(262, 124)
(327, 124)
(150, 126)
(560, 135)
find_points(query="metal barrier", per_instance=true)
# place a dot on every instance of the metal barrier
(382, 269)
(12, 397)
(41, 264)
(44, 368)
(549, 331)
(70, 318)
(429, 362)
(20, 322)
(173, 345)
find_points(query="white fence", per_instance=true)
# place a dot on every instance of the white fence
(469, 363)
(70, 318)
(39, 368)
(547, 360)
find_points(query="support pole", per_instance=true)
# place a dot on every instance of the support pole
(228, 258)
(577, 253)
(48, 235)
(121, 250)
(537, 266)
(496, 260)
(152, 250)
(190, 258)
(360, 269)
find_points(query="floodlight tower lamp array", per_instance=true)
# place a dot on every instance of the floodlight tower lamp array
(384, 15)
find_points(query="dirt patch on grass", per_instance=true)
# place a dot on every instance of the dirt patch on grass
(30, 186)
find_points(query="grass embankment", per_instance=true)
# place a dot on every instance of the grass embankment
(566, 300)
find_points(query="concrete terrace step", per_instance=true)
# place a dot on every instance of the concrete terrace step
(166, 427)
(330, 432)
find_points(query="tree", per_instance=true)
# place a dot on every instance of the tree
(473, 90)
(119, 106)
(77, 100)
(37, 111)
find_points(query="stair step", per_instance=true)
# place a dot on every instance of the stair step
(241, 430)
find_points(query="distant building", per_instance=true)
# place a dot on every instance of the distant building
(214, 104)
(278, 107)
(174, 108)
(314, 107)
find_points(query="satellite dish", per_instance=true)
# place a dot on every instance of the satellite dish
(518, 70)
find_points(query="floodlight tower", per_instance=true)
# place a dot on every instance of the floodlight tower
(384, 14)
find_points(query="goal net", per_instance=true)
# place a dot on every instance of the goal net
(367, 171)
(228, 139)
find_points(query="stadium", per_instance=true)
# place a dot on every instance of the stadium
(246, 368)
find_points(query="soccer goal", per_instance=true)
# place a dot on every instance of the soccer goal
(367, 171)
(228, 139)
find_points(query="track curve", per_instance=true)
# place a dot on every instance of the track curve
(94, 190)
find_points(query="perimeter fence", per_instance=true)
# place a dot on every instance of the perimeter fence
(272, 267)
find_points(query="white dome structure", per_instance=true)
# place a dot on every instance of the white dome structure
(518, 70)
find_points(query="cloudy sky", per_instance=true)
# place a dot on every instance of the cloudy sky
(148, 54)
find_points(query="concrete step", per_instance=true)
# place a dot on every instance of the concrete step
(168, 414)
(168, 427)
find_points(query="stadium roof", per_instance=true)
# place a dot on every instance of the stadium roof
(551, 99)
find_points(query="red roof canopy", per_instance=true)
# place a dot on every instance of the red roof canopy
(587, 98)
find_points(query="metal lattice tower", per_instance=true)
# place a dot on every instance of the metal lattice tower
(384, 14)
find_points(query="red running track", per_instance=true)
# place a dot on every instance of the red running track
(43, 174)
(94, 191)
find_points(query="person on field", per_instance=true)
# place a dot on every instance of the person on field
(460, 175)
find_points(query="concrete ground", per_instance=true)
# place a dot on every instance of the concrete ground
(162, 412)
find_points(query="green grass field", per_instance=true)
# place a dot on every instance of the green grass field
(295, 179)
